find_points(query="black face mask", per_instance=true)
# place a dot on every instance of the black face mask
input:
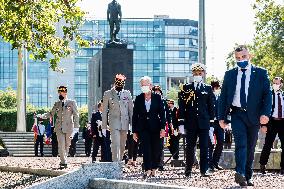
(61, 97)
(118, 88)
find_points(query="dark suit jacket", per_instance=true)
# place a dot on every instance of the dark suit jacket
(94, 126)
(200, 106)
(273, 100)
(156, 114)
(172, 117)
(259, 94)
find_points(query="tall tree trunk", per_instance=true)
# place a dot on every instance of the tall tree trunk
(21, 93)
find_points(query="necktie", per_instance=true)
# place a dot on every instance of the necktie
(279, 106)
(243, 96)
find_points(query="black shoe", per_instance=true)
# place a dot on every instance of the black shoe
(161, 168)
(263, 169)
(211, 169)
(249, 182)
(62, 166)
(93, 160)
(188, 172)
(218, 167)
(42, 155)
(206, 174)
(241, 180)
(282, 171)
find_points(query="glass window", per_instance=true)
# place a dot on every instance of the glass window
(181, 41)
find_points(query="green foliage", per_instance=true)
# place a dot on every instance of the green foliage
(83, 111)
(8, 117)
(268, 47)
(8, 98)
(173, 94)
(32, 24)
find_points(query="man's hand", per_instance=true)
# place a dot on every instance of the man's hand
(135, 137)
(264, 120)
(162, 133)
(263, 129)
(222, 124)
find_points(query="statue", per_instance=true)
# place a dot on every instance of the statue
(114, 18)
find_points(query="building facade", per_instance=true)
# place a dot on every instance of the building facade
(164, 49)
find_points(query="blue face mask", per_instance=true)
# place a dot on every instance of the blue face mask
(242, 64)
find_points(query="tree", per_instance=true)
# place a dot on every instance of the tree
(268, 44)
(8, 99)
(31, 25)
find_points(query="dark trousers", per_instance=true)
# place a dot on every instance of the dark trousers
(151, 145)
(161, 153)
(132, 147)
(88, 146)
(72, 148)
(245, 135)
(174, 146)
(275, 127)
(191, 138)
(54, 145)
(219, 133)
(104, 143)
(39, 141)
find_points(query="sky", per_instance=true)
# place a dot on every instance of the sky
(227, 22)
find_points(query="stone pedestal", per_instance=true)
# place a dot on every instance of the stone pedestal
(102, 70)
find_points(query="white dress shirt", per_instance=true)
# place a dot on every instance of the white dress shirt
(237, 98)
(275, 111)
(40, 129)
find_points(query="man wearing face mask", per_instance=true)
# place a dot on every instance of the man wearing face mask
(196, 112)
(246, 96)
(218, 131)
(67, 123)
(276, 125)
(117, 113)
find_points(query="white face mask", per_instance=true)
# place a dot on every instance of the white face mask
(217, 92)
(145, 89)
(197, 78)
(276, 87)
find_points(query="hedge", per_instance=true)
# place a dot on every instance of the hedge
(8, 118)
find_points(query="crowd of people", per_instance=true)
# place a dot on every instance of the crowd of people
(243, 106)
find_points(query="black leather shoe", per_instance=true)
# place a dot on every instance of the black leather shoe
(262, 169)
(62, 166)
(218, 167)
(188, 172)
(250, 183)
(282, 171)
(206, 174)
(241, 180)
(211, 169)
(161, 168)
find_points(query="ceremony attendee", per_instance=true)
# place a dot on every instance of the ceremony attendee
(99, 139)
(148, 125)
(215, 154)
(132, 147)
(246, 92)
(276, 126)
(117, 112)
(173, 129)
(54, 143)
(156, 89)
(73, 144)
(39, 129)
(196, 110)
(67, 123)
(87, 138)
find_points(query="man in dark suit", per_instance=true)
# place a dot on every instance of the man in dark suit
(246, 96)
(196, 109)
(173, 129)
(99, 139)
(87, 138)
(215, 154)
(276, 125)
